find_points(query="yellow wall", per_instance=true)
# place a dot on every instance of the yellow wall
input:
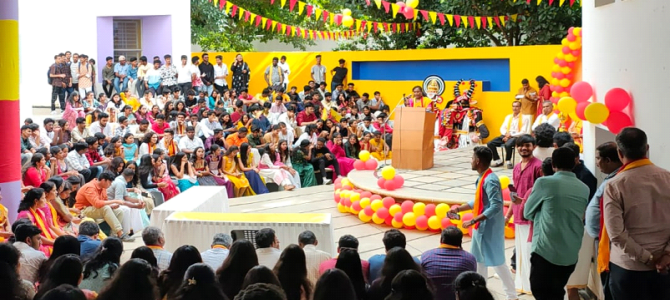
(525, 62)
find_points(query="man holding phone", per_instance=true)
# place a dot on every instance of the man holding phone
(524, 175)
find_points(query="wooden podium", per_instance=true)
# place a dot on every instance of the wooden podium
(413, 138)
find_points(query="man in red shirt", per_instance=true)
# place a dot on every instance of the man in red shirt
(349, 242)
(93, 156)
(307, 116)
(239, 111)
(159, 126)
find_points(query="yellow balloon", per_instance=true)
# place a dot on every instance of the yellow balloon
(577, 31)
(377, 204)
(564, 94)
(412, 3)
(394, 209)
(355, 197)
(509, 233)
(341, 208)
(409, 219)
(396, 224)
(554, 81)
(344, 194)
(441, 210)
(504, 182)
(365, 218)
(456, 223)
(574, 46)
(565, 82)
(419, 209)
(345, 181)
(365, 202)
(560, 55)
(555, 68)
(364, 155)
(434, 223)
(566, 70)
(377, 219)
(388, 172)
(347, 21)
(567, 105)
(346, 12)
(565, 42)
(554, 94)
(338, 191)
(570, 58)
(596, 113)
(573, 116)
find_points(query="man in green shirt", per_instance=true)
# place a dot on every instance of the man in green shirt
(556, 206)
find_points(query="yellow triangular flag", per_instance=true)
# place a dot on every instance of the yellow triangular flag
(514, 16)
(490, 21)
(216, 3)
(358, 24)
(240, 13)
(228, 6)
(464, 21)
(282, 3)
(451, 19)
(502, 21)
(317, 13)
(433, 16)
(379, 3)
(561, 3)
(478, 20)
(252, 18)
(406, 27)
(395, 9)
(301, 7)
(264, 22)
(416, 14)
(293, 30)
(274, 25)
(369, 26)
(332, 19)
(310, 32)
(538, 2)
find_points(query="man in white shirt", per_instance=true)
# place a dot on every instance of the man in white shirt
(28, 242)
(207, 125)
(155, 240)
(220, 74)
(74, 71)
(313, 257)
(514, 126)
(286, 69)
(189, 143)
(318, 71)
(215, 256)
(185, 75)
(267, 247)
(102, 126)
(548, 116)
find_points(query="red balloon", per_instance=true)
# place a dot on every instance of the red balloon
(359, 165)
(368, 210)
(346, 202)
(581, 107)
(454, 206)
(375, 197)
(347, 187)
(430, 210)
(446, 222)
(338, 180)
(570, 76)
(381, 182)
(399, 181)
(422, 221)
(571, 30)
(617, 99)
(388, 201)
(337, 198)
(408, 13)
(356, 206)
(398, 217)
(562, 63)
(559, 89)
(571, 37)
(409, 227)
(576, 53)
(556, 60)
(407, 206)
(581, 91)
(617, 121)
(383, 213)
(506, 195)
(467, 216)
(389, 221)
(566, 50)
(571, 65)
(337, 186)
(559, 76)
(389, 185)
(371, 164)
(365, 194)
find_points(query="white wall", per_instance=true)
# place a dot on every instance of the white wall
(275, 46)
(626, 44)
(42, 35)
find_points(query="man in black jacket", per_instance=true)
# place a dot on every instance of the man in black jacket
(322, 157)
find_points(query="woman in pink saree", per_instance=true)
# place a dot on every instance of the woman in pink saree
(29, 208)
(335, 147)
(74, 108)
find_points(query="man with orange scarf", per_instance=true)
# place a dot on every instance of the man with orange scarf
(635, 243)
(488, 238)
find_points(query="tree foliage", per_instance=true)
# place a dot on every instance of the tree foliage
(537, 25)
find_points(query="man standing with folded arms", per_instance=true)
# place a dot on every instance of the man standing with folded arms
(636, 215)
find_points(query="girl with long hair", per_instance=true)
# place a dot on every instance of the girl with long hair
(260, 274)
(35, 173)
(116, 102)
(141, 114)
(245, 121)
(134, 280)
(410, 285)
(544, 94)
(300, 160)
(66, 269)
(246, 163)
(60, 167)
(149, 144)
(101, 267)
(62, 133)
(30, 208)
(116, 166)
(397, 260)
(227, 124)
(74, 108)
(168, 108)
(11, 285)
(151, 115)
(129, 147)
(230, 168)
(202, 170)
(240, 260)
(352, 148)
(471, 286)
(271, 166)
(334, 284)
(50, 213)
(183, 170)
(349, 262)
(200, 283)
(180, 107)
(241, 74)
(291, 269)
(147, 255)
(214, 163)
(155, 178)
(170, 279)
(335, 146)
(63, 245)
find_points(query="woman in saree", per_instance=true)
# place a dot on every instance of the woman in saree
(74, 108)
(202, 170)
(63, 217)
(379, 148)
(245, 161)
(30, 208)
(232, 171)
(183, 170)
(214, 162)
(49, 209)
(271, 166)
(301, 163)
(154, 178)
(149, 144)
(335, 146)
(129, 147)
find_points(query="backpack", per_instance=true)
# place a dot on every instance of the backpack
(49, 76)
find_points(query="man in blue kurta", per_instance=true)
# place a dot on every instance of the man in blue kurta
(488, 236)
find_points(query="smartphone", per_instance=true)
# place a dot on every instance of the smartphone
(453, 216)
(512, 192)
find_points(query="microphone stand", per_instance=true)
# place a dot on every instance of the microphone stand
(383, 129)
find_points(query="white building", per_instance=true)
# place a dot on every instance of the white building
(97, 29)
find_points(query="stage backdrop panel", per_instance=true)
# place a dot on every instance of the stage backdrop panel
(197, 229)
(196, 199)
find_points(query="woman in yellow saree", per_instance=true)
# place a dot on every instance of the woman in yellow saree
(30, 208)
(234, 174)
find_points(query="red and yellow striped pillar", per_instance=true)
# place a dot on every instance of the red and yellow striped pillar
(10, 156)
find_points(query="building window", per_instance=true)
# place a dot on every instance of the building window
(127, 38)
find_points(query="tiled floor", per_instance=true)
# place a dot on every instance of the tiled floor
(320, 200)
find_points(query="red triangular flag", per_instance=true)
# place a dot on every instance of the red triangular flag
(375, 26)
(325, 16)
(484, 22)
(441, 16)
(363, 23)
(304, 33)
(572, 2)
(386, 6)
(393, 28)
(222, 4)
(367, 2)
(247, 14)
(268, 24)
(457, 18)
(234, 11)
(291, 4)
(411, 26)
(279, 27)
(309, 10)
(506, 19)
(528, 1)
(272, 1)
(258, 21)
(424, 13)
(471, 20)
(314, 35)
(550, 2)
(497, 20)
(289, 29)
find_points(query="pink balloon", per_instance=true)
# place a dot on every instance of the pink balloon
(388, 221)
(570, 76)
(400, 3)
(368, 210)
(446, 222)
(430, 210)
(359, 165)
(338, 180)
(554, 100)
(407, 206)
(617, 121)
(371, 164)
(566, 50)
(422, 221)
(398, 216)
(581, 91)
(409, 13)
(506, 195)
(571, 30)
(571, 37)
(338, 19)
(375, 197)
(581, 107)
(559, 76)
(346, 202)
(356, 206)
(576, 53)
(571, 65)
(336, 197)
(388, 201)
(562, 63)
(365, 194)
(389, 185)
(381, 182)
(399, 181)
(617, 99)
(383, 213)
(556, 60)
(467, 216)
